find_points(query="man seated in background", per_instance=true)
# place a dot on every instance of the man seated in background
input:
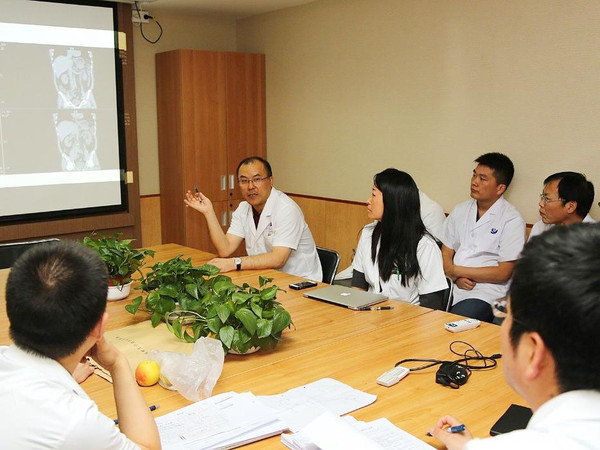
(566, 199)
(56, 305)
(432, 215)
(271, 223)
(482, 238)
(550, 345)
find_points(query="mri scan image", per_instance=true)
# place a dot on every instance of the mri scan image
(77, 141)
(74, 78)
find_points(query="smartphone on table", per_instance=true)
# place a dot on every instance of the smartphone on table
(303, 285)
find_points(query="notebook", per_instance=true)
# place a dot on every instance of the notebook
(346, 296)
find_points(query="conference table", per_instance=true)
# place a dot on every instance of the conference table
(354, 347)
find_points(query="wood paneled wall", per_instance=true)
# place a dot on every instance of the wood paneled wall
(150, 219)
(335, 224)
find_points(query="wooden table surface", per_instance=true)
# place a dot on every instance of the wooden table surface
(354, 347)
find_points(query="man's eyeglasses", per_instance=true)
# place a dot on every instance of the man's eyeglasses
(546, 200)
(256, 181)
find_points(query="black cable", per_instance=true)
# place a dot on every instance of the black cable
(148, 16)
(489, 362)
(456, 373)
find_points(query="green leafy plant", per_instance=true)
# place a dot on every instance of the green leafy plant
(121, 260)
(198, 301)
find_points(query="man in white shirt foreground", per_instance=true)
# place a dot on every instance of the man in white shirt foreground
(271, 223)
(566, 199)
(482, 238)
(56, 305)
(550, 345)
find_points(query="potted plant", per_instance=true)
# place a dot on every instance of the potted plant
(121, 260)
(198, 301)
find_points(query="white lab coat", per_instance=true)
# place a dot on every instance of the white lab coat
(432, 278)
(281, 224)
(540, 227)
(496, 237)
(570, 421)
(432, 215)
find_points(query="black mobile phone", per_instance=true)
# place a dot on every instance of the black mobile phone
(303, 285)
(516, 417)
(196, 189)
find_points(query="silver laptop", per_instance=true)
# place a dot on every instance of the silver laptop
(345, 296)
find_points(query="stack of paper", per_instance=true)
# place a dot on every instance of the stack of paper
(230, 419)
(222, 421)
(329, 432)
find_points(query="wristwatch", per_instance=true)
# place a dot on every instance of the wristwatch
(238, 263)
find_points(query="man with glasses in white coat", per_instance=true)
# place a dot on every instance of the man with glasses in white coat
(271, 223)
(566, 199)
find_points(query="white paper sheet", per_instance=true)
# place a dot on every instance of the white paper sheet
(217, 422)
(328, 432)
(300, 405)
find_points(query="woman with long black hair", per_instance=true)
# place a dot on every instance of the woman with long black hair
(396, 256)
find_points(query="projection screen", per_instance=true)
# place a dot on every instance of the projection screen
(62, 150)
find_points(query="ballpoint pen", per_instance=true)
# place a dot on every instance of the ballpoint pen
(151, 408)
(455, 429)
(375, 308)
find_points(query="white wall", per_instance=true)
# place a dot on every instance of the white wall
(355, 86)
(180, 31)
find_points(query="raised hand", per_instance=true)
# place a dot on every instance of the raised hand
(199, 202)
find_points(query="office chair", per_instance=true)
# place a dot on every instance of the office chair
(447, 299)
(330, 260)
(10, 252)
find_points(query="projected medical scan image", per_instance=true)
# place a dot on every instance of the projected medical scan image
(77, 141)
(74, 78)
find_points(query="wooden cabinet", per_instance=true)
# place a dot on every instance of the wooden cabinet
(211, 115)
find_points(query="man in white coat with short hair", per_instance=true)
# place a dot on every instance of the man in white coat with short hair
(271, 223)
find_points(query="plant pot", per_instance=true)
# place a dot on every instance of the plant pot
(118, 292)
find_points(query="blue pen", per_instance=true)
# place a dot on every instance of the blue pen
(456, 429)
(151, 408)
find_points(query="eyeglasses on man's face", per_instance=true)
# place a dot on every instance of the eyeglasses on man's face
(545, 200)
(255, 181)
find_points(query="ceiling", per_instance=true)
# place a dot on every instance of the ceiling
(235, 9)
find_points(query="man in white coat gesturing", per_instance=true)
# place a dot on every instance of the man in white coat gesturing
(272, 224)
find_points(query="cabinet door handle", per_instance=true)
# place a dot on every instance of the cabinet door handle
(224, 218)
(223, 183)
(231, 182)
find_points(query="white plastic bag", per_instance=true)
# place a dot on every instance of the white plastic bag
(194, 376)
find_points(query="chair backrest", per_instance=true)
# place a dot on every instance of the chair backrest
(330, 260)
(10, 252)
(447, 299)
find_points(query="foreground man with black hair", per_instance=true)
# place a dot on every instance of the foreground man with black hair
(551, 344)
(56, 305)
